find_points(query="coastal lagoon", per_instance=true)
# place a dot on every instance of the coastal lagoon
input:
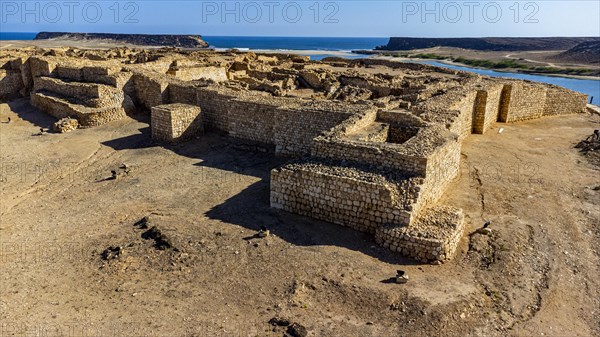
(585, 86)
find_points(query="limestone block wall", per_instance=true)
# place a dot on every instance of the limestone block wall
(214, 73)
(454, 109)
(334, 145)
(11, 84)
(86, 116)
(112, 75)
(522, 100)
(92, 94)
(183, 92)
(296, 127)
(434, 237)
(214, 103)
(151, 89)
(176, 122)
(41, 66)
(252, 119)
(487, 108)
(561, 101)
(382, 154)
(287, 123)
(462, 125)
(69, 72)
(343, 195)
(26, 75)
(400, 118)
(403, 124)
(443, 166)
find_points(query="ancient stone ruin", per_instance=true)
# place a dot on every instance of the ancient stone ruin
(373, 144)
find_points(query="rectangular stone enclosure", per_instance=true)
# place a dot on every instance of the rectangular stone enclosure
(172, 123)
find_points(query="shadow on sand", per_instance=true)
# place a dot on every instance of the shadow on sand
(251, 207)
(23, 108)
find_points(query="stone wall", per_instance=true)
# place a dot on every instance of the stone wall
(252, 119)
(214, 73)
(443, 166)
(521, 101)
(434, 237)
(177, 122)
(151, 89)
(486, 108)
(183, 92)
(86, 116)
(350, 196)
(561, 101)
(214, 102)
(91, 94)
(11, 84)
(296, 126)
(381, 154)
(454, 109)
(41, 66)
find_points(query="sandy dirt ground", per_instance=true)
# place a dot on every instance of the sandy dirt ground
(169, 248)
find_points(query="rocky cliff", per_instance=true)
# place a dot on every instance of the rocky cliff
(488, 43)
(183, 41)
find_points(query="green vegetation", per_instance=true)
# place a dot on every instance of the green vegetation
(429, 56)
(504, 64)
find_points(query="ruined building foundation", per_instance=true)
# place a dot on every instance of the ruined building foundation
(373, 144)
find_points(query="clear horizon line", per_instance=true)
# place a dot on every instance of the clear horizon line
(313, 36)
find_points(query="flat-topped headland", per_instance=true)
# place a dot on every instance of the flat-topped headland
(488, 43)
(163, 40)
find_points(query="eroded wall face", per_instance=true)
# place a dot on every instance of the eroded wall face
(295, 130)
(215, 107)
(151, 90)
(486, 109)
(560, 101)
(251, 121)
(345, 201)
(11, 83)
(443, 167)
(522, 101)
(434, 238)
(172, 123)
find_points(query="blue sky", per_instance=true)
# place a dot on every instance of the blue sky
(308, 18)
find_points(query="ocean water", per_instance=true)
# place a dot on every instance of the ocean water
(296, 43)
(588, 87)
(341, 47)
(267, 42)
(16, 36)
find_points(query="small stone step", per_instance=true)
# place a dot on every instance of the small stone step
(88, 94)
(59, 107)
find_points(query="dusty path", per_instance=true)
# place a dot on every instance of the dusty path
(547, 64)
(537, 273)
